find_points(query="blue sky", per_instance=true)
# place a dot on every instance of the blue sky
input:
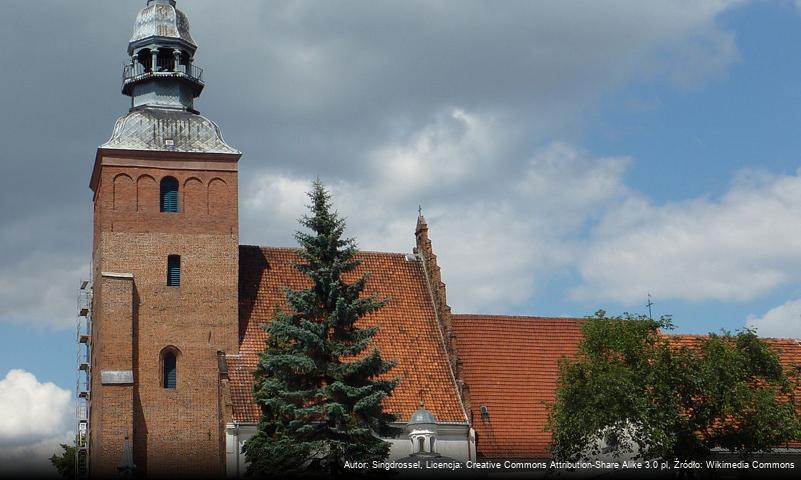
(692, 142)
(569, 156)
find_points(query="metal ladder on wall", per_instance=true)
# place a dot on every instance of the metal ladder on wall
(83, 384)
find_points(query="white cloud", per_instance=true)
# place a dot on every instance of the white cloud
(43, 259)
(448, 152)
(340, 83)
(735, 248)
(783, 321)
(332, 89)
(33, 461)
(41, 288)
(36, 418)
(500, 233)
(449, 105)
(499, 227)
(361, 56)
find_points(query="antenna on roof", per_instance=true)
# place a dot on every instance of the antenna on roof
(649, 305)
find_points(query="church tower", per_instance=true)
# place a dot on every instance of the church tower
(165, 265)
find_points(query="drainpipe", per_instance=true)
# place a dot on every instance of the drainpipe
(236, 445)
(469, 453)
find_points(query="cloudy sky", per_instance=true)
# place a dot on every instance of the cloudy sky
(569, 155)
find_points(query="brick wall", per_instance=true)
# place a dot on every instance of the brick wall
(174, 431)
(112, 406)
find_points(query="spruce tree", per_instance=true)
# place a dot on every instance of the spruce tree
(317, 384)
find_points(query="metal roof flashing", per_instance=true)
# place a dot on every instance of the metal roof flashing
(167, 130)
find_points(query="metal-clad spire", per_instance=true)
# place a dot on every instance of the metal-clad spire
(162, 80)
(161, 72)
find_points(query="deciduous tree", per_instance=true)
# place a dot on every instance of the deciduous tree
(660, 398)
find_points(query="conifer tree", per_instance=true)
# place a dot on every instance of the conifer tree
(316, 382)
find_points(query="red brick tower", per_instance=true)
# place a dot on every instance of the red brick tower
(166, 239)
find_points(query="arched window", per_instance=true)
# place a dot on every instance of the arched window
(422, 442)
(170, 374)
(145, 60)
(169, 195)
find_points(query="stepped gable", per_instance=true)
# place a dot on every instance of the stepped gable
(408, 330)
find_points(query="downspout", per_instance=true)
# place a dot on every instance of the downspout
(469, 458)
(236, 445)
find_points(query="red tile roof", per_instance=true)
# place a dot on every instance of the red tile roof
(788, 350)
(408, 332)
(510, 365)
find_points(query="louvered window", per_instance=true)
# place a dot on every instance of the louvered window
(174, 271)
(169, 195)
(170, 370)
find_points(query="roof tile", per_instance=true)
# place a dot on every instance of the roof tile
(511, 366)
(408, 332)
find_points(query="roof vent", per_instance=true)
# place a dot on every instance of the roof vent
(484, 412)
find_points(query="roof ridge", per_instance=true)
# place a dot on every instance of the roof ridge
(295, 249)
(704, 335)
(516, 317)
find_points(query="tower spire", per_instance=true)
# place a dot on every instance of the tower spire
(161, 72)
(163, 81)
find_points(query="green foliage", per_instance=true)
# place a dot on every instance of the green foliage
(65, 461)
(661, 400)
(316, 382)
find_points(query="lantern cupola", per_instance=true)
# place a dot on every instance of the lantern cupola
(161, 72)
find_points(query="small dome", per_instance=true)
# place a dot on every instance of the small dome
(160, 18)
(422, 416)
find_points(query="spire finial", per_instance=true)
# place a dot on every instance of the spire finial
(127, 466)
(419, 210)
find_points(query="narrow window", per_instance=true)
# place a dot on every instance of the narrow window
(170, 370)
(169, 195)
(174, 271)
(422, 442)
